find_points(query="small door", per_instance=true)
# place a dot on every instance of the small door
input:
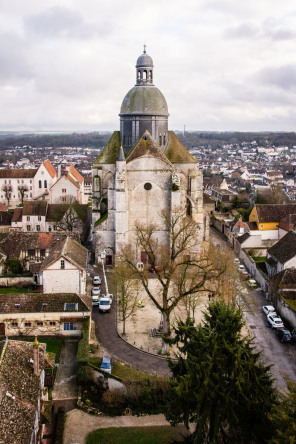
(2, 329)
(108, 259)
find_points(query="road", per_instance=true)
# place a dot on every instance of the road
(282, 357)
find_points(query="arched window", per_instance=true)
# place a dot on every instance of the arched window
(139, 75)
(145, 75)
(160, 140)
(164, 139)
(150, 75)
(45, 184)
(40, 184)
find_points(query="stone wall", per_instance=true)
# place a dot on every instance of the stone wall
(16, 281)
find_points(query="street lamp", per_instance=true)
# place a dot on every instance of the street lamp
(102, 257)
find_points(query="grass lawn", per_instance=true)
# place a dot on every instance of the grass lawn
(15, 290)
(122, 371)
(53, 345)
(136, 435)
(259, 259)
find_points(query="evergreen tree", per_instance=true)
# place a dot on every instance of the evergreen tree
(284, 417)
(219, 382)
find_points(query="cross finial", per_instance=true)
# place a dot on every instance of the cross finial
(145, 49)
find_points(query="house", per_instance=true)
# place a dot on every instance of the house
(64, 269)
(282, 255)
(241, 227)
(21, 389)
(42, 216)
(31, 248)
(15, 182)
(65, 190)
(45, 176)
(48, 314)
(268, 216)
(282, 293)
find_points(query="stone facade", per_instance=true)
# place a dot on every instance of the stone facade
(136, 182)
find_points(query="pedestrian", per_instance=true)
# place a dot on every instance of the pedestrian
(209, 296)
(140, 304)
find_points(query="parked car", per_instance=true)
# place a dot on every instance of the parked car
(105, 305)
(252, 283)
(284, 334)
(236, 261)
(245, 275)
(155, 268)
(96, 291)
(275, 321)
(269, 309)
(106, 364)
(97, 280)
(95, 300)
(241, 268)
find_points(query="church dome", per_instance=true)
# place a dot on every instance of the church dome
(144, 100)
(144, 60)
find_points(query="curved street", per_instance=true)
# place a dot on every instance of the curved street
(106, 333)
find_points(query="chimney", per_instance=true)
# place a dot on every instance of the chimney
(59, 171)
(36, 356)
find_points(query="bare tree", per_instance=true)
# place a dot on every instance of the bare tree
(23, 189)
(7, 189)
(127, 285)
(184, 271)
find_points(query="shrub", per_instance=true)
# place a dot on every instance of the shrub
(13, 266)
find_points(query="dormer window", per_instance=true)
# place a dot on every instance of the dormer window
(71, 306)
(62, 264)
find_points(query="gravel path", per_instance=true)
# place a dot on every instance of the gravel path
(79, 424)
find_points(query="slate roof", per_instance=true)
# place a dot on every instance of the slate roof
(40, 303)
(35, 208)
(274, 212)
(18, 174)
(71, 250)
(285, 248)
(17, 215)
(241, 239)
(17, 378)
(55, 212)
(111, 150)
(50, 168)
(146, 146)
(5, 218)
(176, 151)
(17, 241)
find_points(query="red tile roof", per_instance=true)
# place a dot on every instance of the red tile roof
(75, 173)
(50, 168)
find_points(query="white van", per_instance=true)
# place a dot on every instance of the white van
(105, 304)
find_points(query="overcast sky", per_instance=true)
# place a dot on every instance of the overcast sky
(221, 64)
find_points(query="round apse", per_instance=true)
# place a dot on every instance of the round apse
(147, 186)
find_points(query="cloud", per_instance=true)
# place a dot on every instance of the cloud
(283, 77)
(61, 23)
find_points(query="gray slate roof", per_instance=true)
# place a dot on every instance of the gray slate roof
(71, 250)
(40, 303)
(285, 248)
